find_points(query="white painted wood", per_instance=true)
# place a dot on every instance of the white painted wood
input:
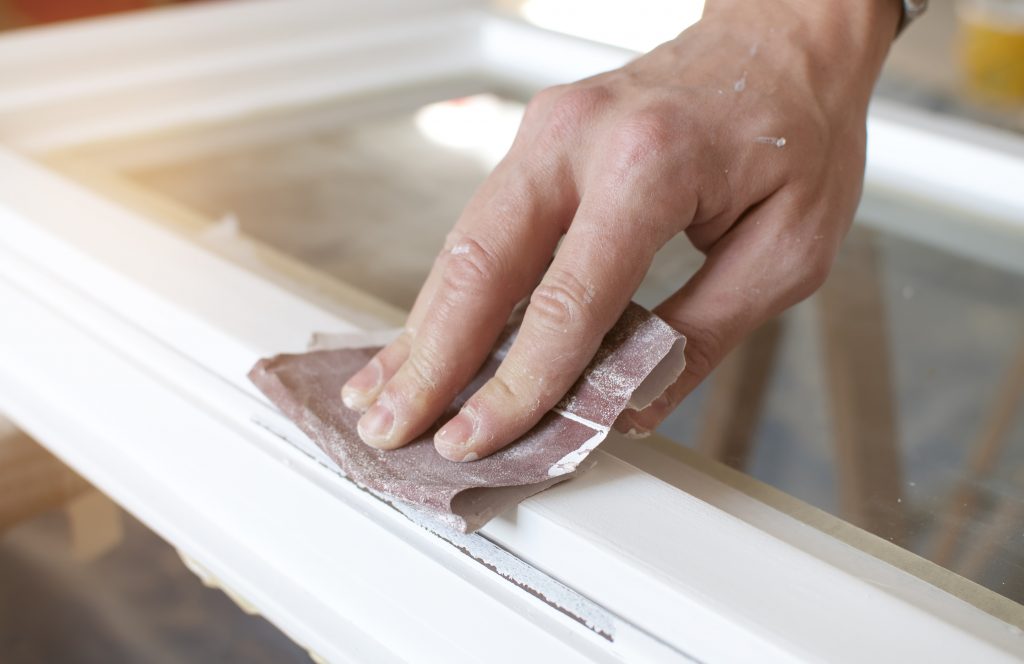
(945, 161)
(51, 64)
(194, 71)
(966, 182)
(107, 306)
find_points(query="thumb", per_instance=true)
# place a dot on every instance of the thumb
(764, 265)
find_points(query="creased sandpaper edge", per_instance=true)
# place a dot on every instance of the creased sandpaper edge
(260, 373)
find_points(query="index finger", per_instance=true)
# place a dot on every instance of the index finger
(595, 273)
(496, 253)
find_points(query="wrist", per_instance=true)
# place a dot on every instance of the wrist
(845, 39)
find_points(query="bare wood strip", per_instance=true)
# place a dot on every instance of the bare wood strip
(985, 452)
(32, 480)
(861, 400)
(738, 390)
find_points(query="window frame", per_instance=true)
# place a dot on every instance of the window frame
(110, 307)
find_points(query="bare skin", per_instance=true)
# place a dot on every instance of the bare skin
(746, 133)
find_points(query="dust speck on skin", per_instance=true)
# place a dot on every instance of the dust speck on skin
(460, 249)
(777, 141)
(588, 294)
(741, 83)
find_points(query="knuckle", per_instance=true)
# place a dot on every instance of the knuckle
(570, 107)
(637, 138)
(561, 301)
(423, 372)
(815, 269)
(808, 262)
(504, 388)
(704, 348)
(515, 391)
(470, 266)
(701, 358)
(542, 101)
(807, 238)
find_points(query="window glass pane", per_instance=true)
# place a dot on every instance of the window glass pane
(369, 203)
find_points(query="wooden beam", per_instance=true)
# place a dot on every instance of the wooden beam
(860, 394)
(32, 480)
(738, 389)
(985, 451)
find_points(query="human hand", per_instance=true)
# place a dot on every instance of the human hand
(747, 133)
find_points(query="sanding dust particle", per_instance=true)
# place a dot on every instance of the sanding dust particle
(778, 142)
(741, 83)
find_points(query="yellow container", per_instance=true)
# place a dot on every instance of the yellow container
(991, 45)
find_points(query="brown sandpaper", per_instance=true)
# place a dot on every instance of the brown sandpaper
(636, 361)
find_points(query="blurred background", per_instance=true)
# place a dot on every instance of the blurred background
(82, 581)
(966, 57)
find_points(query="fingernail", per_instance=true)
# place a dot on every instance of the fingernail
(375, 426)
(453, 438)
(356, 392)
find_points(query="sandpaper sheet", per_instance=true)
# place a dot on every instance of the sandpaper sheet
(637, 360)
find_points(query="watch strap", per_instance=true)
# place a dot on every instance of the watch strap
(911, 10)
